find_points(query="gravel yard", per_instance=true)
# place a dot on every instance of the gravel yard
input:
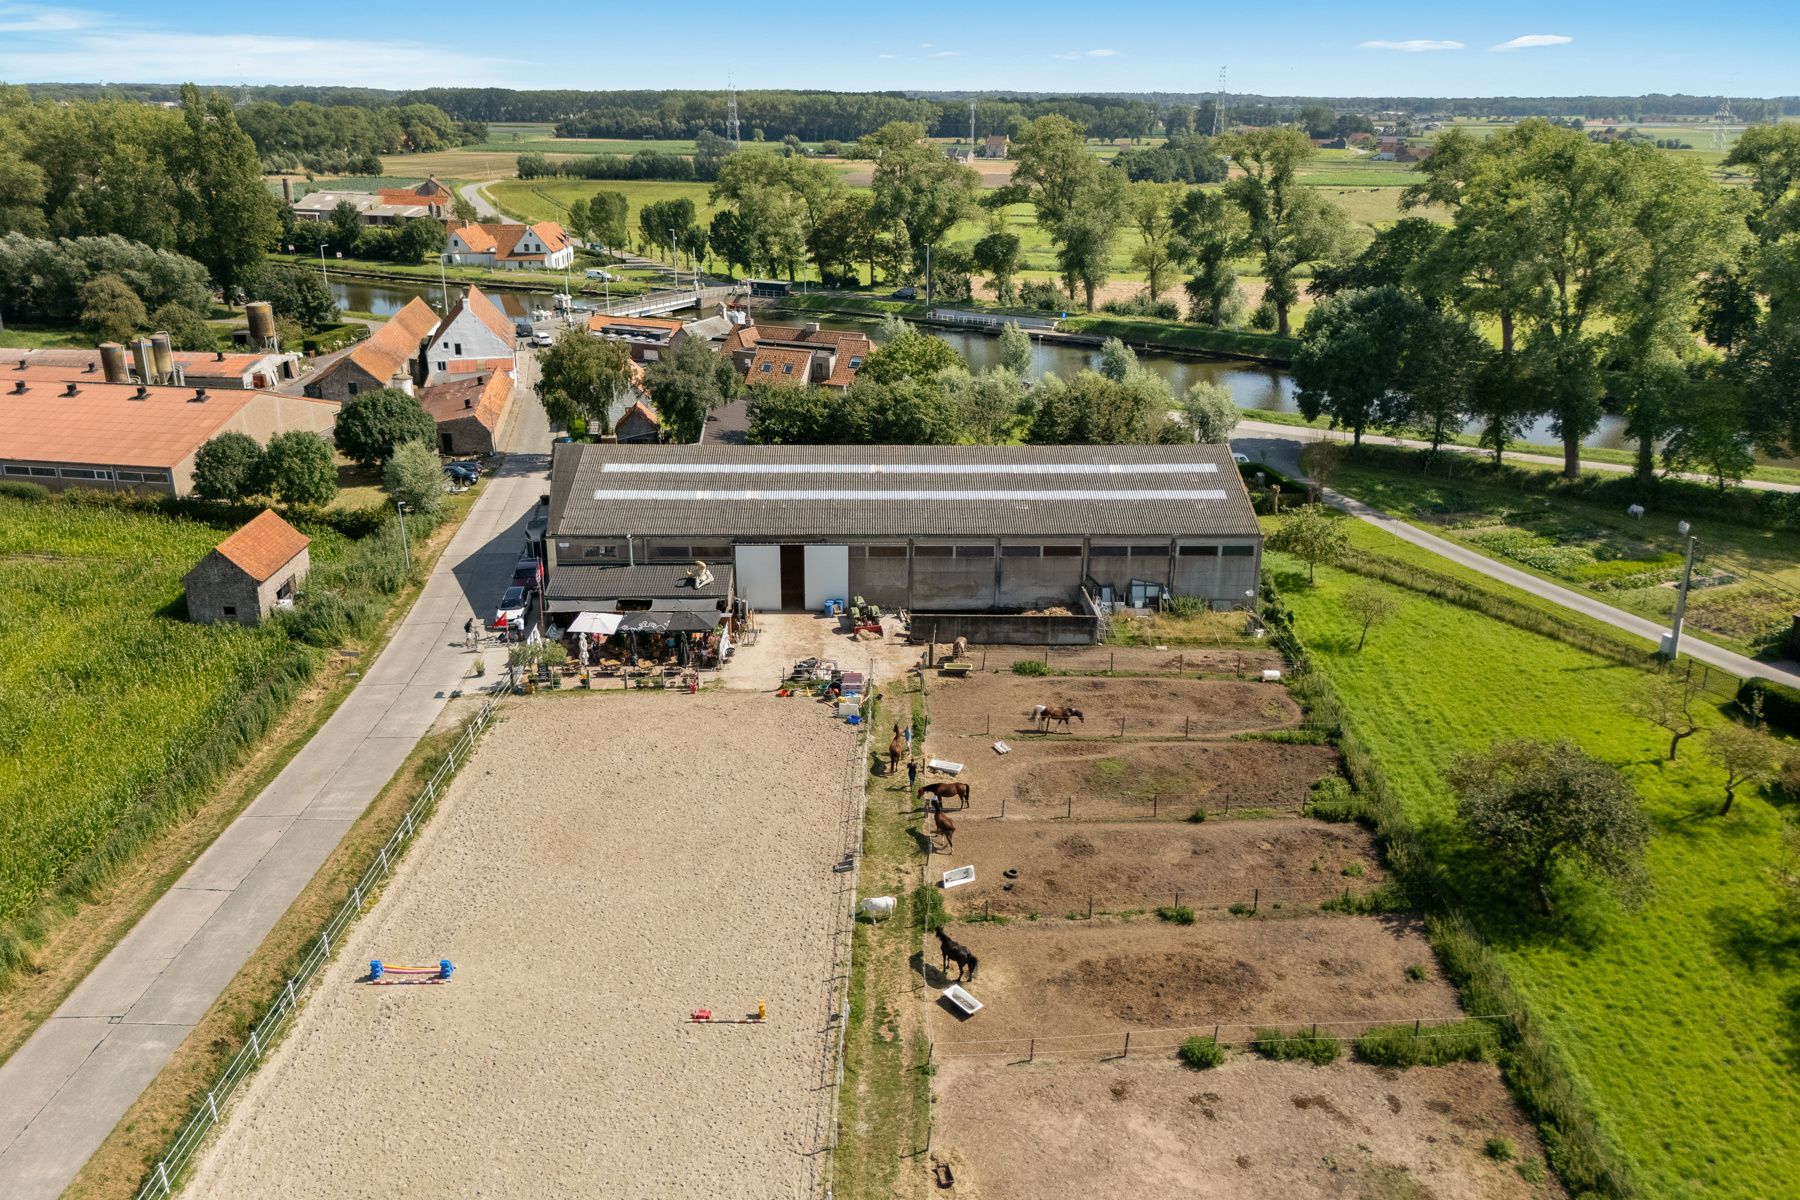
(603, 866)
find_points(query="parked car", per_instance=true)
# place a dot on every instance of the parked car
(464, 473)
(1242, 460)
(512, 607)
(597, 273)
(543, 339)
(907, 293)
(522, 328)
(529, 574)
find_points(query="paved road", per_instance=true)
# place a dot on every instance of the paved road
(1306, 433)
(1278, 446)
(484, 208)
(65, 1088)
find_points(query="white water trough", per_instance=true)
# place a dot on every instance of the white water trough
(944, 765)
(964, 1002)
(958, 877)
(1002, 748)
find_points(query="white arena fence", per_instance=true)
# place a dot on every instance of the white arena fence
(208, 1113)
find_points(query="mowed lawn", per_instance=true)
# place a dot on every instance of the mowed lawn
(1680, 1021)
(104, 688)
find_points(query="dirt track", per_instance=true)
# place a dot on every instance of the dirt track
(1000, 706)
(1145, 1128)
(603, 866)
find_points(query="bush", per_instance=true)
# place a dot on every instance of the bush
(1030, 666)
(1185, 606)
(1400, 1046)
(1332, 800)
(18, 489)
(1044, 296)
(1197, 817)
(1176, 914)
(1305, 1046)
(1499, 1149)
(1780, 703)
(928, 908)
(1201, 1053)
(1141, 305)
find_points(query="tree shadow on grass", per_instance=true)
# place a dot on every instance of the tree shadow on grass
(1506, 909)
(1767, 942)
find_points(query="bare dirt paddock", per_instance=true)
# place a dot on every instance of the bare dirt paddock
(1149, 1129)
(1108, 780)
(1064, 866)
(605, 864)
(1163, 707)
(1247, 661)
(1086, 983)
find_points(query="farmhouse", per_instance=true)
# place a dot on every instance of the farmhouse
(475, 337)
(468, 411)
(250, 574)
(942, 528)
(255, 369)
(647, 338)
(995, 145)
(804, 355)
(392, 356)
(543, 246)
(638, 423)
(124, 437)
(390, 207)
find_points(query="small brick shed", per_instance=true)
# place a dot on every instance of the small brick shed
(249, 574)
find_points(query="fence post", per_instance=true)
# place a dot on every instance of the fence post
(1003, 804)
(1031, 1051)
(1255, 899)
(1155, 802)
(1121, 726)
(990, 725)
(1090, 908)
(162, 1176)
(1069, 811)
(1127, 1053)
(1112, 661)
(1187, 726)
(1415, 1027)
(1178, 898)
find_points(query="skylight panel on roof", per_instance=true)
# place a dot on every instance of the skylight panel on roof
(855, 494)
(962, 468)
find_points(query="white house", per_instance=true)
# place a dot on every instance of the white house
(476, 337)
(543, 246)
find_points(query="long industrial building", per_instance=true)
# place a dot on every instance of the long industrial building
(926, 528)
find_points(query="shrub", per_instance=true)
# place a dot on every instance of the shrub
(1201, 1053)
(1305, 1046)
(1389, 897)
(1499, 1149)
(1416, 972)
(1030, 666)
(1780, 703)
(1354, 871)
(1332, 800)
(1043, 295)
(928, 908)
(1197, 817)
(1531, 1170)
(1240, 909)
(1400, 1046)
(1140, 305)
(18, 489)
(1176, 914)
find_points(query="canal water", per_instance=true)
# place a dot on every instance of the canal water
(1251, 385)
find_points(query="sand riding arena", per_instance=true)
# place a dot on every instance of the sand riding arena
(601, 868)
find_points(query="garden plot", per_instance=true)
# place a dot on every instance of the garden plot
(1089, 983)
(1145, 1128)
(1107, 780)
(1000, 705)
(1062, 867)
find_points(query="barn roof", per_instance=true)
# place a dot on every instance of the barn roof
(263, 545)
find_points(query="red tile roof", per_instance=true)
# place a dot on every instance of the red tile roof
(263, 546)
(780, 366)
(477, 238)
(481, 397)
(105, 424)
(387, 350)
(600, 321)
(500, 240)
(483, 310)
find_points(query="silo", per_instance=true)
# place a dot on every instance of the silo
(144, 358)
(112, 361)
(164, 350)
(262, 325)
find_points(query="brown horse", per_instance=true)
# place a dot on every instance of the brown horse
(1044, 714)
(947, 827)
(896, 751)
(954, 790)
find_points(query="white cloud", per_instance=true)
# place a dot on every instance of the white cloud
(115, 51)
(1077, 55)
(30, 18)
(887, 56)
(1534, 39)
(946, 54)
(924, 45)
(1412, 45)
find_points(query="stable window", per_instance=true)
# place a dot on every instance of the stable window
(1062, 551)
(712, 552)
(229, 610)
(1108, 551)
(43, 472)
(682, 552)
(932, 551)
(1021, 551)
(1239, 551)
(352, 389)
(84, 473)
(887, 551)
(1150, 551)
(12, 470)
(974, 552)
(156, 477)
(1198, 552)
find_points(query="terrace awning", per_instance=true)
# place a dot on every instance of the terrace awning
(677, 621)
(604, 624)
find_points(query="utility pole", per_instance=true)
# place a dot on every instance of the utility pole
(1672, 643)
(971, 131)
(405, 551)
(322, 273)
(928, 280)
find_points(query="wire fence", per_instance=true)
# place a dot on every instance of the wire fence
(836, 1027)
(187, 1143)
(1123, 1043)
(1247, 899)
(1179, 805)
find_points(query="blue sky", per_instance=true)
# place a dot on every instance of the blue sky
(1525, 47)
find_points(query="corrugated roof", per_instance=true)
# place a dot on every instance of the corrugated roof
(105, 424)
(827, 492)
(651, 581)
(263, 545)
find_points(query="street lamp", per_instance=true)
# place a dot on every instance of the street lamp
(405, 552)
(322, 272)
(1672, 643)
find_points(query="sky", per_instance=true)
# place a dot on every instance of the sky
(1301, 47)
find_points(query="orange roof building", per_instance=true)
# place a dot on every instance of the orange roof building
(543, 246)
(833, 357)
(475, 338)
(124, 437)
(469, 411)
(648, 338)
(250, 574)
(255, 369)
(392, 356)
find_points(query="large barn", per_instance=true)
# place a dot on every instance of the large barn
(925, 528)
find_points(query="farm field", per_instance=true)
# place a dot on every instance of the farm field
(1145, 1126)
(1002, 704)
(1747, 579)
(561, 1056)
(1700, 975)
(1062, 867)
(105, 690)
(1108, 779)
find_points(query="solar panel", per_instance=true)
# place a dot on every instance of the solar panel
(768, 468)
(852, 495)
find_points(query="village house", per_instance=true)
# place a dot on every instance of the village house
(475, 337)
(802, 355)
(996, 145)
(468, 411)
(392, 356)
(250, 574)
(647, 338)
(540, 247)
(638, 424)
(389, 206)
(133, 438)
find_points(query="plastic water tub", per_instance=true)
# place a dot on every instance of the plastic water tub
(968, 1004)
(958, 877)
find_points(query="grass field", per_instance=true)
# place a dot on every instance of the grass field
(105, 689)
(1678, 1020)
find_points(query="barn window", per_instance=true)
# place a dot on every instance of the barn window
(1062, 551)
(1150, 551)
(974, 552)
(1108, 551)
(932, 551)
(1021, 551)
(682, 552)
(1199, 552)
(229, 610)
(887, 551)
(1239, 551)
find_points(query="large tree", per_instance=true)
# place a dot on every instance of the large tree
(1313, 534)
(1348, 364)
(228, 467)
(687, 385)
(1080, 202)
(1158, 252)
(1213, 232)
(414, 477)
(298, 467)
(583, 376)
(909, 353)
(918, 192)
(1291, 225)
(998, 256)
(371, 424)
(1538, 807)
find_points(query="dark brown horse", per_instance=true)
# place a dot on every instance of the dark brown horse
(954, 790)
(896, 751)
(1044, 714)
(953, 951)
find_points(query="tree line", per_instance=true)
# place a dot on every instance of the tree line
(349, 139)
(1593, 267)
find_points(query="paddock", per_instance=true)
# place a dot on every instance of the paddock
(1000, 706)
(1146, 1128)
(598, 870)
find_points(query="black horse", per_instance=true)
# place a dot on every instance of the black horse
(955, 952)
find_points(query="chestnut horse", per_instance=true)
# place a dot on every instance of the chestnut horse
(896, 751)
(954, 790)
(1044, 714)
(947, 827)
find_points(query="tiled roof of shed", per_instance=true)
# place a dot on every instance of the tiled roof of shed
(263, 545)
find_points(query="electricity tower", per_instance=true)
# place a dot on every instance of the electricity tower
(1721, 119)
(731, 117)
(1219, 107)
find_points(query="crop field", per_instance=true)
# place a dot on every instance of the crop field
(1677, 1018)
(105, 690)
